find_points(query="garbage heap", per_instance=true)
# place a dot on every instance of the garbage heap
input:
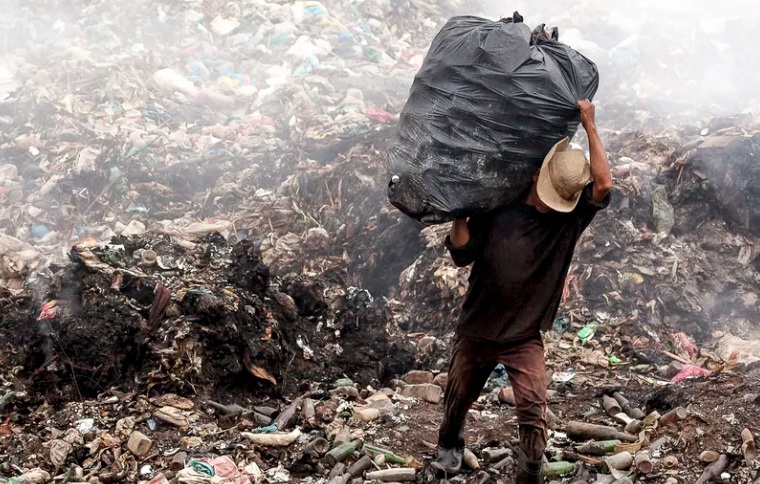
(188, 122)
(673, 253)
(166, 355)
(201, 280)
(659, 309)
(145, 312)
(165, 116)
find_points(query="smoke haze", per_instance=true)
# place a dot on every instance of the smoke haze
(674, 57)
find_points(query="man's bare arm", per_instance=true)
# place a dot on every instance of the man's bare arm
(600, 166)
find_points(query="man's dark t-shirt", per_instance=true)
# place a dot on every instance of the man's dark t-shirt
(520, 259)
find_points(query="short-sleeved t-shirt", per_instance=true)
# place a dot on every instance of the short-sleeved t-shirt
(520, 260)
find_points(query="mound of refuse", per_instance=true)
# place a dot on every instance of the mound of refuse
(201, 279)
(142, 312)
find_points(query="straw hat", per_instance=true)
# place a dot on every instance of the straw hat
(563, 175)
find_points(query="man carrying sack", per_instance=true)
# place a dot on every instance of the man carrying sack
(521, 254)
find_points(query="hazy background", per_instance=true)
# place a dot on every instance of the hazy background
(672, 57)
(675, 57)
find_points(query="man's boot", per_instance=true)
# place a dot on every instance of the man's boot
(447, 462)
(529, 471)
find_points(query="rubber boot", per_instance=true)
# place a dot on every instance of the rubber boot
(529, 471)
(447, 462)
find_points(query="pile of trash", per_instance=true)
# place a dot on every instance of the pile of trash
(201, 279)
(145, 313)
(674, 253)
(607, 423)
(165, 116)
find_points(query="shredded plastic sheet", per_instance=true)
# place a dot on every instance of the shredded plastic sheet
(690, 371)
(488, 103)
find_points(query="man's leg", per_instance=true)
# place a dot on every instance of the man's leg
(527, 373)
(469, 369)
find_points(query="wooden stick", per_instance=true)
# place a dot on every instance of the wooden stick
(676, 357)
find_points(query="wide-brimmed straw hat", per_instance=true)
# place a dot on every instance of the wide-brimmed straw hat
(563, 175)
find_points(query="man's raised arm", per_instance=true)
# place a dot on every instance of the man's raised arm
(600, 166)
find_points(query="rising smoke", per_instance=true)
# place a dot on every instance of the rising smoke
(676, 57)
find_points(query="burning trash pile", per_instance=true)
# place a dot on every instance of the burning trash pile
(201, 279)
(210, 316)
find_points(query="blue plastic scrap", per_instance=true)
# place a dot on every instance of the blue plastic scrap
(265, 430)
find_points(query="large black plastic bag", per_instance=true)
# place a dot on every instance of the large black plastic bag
(489, 102)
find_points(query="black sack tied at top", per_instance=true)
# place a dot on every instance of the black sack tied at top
(490, 100)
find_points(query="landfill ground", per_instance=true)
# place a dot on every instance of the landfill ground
(201, 280)
(719, 409)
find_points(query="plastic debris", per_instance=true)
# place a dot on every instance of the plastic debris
(587, 332)
(690, 371)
